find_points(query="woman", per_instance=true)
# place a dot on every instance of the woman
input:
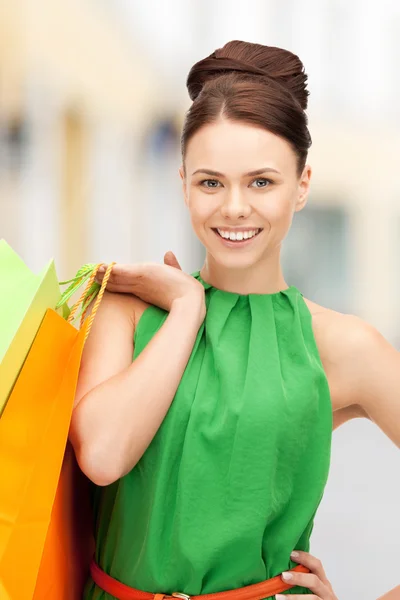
(210, 451)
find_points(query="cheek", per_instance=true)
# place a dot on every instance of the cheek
(201, 207)
(277, 209)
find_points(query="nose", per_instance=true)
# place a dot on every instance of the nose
(235, 206)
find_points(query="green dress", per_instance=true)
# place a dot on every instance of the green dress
(232, 480)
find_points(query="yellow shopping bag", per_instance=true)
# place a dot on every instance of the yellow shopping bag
(33, 435)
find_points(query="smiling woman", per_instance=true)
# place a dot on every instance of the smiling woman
(210, 451)
(250, 98)
(239, 198)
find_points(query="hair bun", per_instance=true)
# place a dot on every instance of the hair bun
(250, 59)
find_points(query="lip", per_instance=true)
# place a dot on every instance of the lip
(242, 243)
(248, 228)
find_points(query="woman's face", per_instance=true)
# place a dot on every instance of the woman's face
(241, 178)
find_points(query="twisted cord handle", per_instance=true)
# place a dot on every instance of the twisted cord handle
(85, 294)
(98, 300)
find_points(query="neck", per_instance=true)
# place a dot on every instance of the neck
(264, 277)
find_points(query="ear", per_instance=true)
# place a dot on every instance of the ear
(182, 176)
(303, 188)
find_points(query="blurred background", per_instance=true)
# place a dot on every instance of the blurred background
(92, 98)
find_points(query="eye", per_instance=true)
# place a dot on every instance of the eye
(214, 183)
(263, 181)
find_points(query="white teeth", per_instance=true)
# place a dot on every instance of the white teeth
(238, 235)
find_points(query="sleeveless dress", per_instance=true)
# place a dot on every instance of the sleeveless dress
(232, 480)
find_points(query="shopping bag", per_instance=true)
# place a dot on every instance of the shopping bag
(33, 435)
(69, 545)
(24, 299)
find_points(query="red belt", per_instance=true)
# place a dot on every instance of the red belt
(256, 591)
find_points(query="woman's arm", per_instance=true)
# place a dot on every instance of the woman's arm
(372, 367)
(366, 371)
(120, 404)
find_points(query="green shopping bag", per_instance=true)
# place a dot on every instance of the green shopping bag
(24, 299)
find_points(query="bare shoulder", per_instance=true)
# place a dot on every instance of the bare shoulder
(339, 338)
(119, 307)
(328, 327)
(338, 332)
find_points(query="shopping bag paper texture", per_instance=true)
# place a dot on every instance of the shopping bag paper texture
(33, 434)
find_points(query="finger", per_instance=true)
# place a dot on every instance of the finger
(110, 287)
(311, 562)
(116, 286)
(308, 580)
(120, 274)
(171, 260)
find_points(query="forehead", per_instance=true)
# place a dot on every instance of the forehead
(233, 148)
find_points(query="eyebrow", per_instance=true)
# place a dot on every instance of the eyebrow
(218, 174)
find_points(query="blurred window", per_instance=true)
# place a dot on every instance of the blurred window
(13, 144)
(315, 256)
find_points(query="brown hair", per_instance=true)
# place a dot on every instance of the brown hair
(261, 85)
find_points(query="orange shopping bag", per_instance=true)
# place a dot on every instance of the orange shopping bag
(33, 435)
(69, 545)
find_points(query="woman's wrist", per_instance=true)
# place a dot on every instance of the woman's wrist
(191, 307)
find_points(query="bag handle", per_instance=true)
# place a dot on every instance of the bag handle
(92, 289)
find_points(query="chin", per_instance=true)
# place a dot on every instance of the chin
(233, 260)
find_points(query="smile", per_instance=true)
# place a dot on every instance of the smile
(237, 238)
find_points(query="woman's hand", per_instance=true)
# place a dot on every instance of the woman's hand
(316, 581)
(156, 284)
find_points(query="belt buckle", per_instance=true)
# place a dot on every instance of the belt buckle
(181, 595)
